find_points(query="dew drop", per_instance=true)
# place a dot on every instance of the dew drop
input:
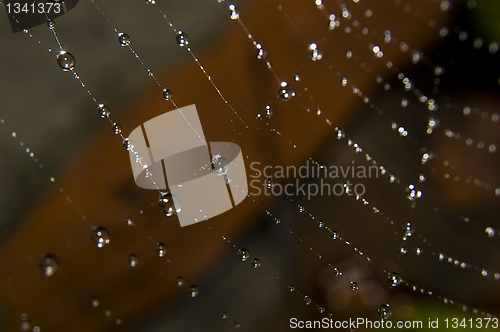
(130, 221)
(307, 300)
(244, 254)
(438, 70)
(132, 260)
(354, 285)
(296, 77)
(321, 224)
(301, 208)
(66, 61)
(182, 38)
(224, 315)
(100, 236)
(291, 288)
(220, 165)
(335, 235)
(128, 144)
(321, 309)
(384, 311)
(236, 325)
(314, 53)
(161, 249)
(261, 52)
(51, 24)
(96, 302)
(193, 291)
(179, 281)
(394, 279)
(124, 39)
(169, 203)
(277, 221)
(344, 81)
(117, 129)
(151, 2)
(268, 183)
(490, 232)
(167, 94)
(285, 92)
(103, 111)
(234, 13)
(24, 323)
(418, 251)
(268, 111)
(256, 263)
(48, 264)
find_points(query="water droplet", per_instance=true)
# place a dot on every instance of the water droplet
(490, 232)
(117, 129)
(103, 111)
(394, 279)
(151, 2)
(96, 302)
(132, 260)
(167, 94)
(179, 281)
(225, 315)
(66, 61)
(169, 203)
(285, 92)
(418, 251)
(335, 235)
(268, 111)
(124, 39)
(413, 193)
(100, 236)
(261, 52)
(354, 285)
(51, 24)
(256, 263)
(24, 324)
(321, 309)
(307, 300)
(296, 77)
(236, 325)
(438, 70)
(220, 165)
(244, 254)
(314, 52)
(128, 144)
(130, 221)
(234, 13)
(48, 264)
(161, 249)
(193, 291)
(291, 288)
(277, 221)
(321, 224)
(344, 81)
(182, 38)
(268, 183)
(384, 311)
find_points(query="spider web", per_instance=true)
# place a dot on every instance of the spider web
(426, 116)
